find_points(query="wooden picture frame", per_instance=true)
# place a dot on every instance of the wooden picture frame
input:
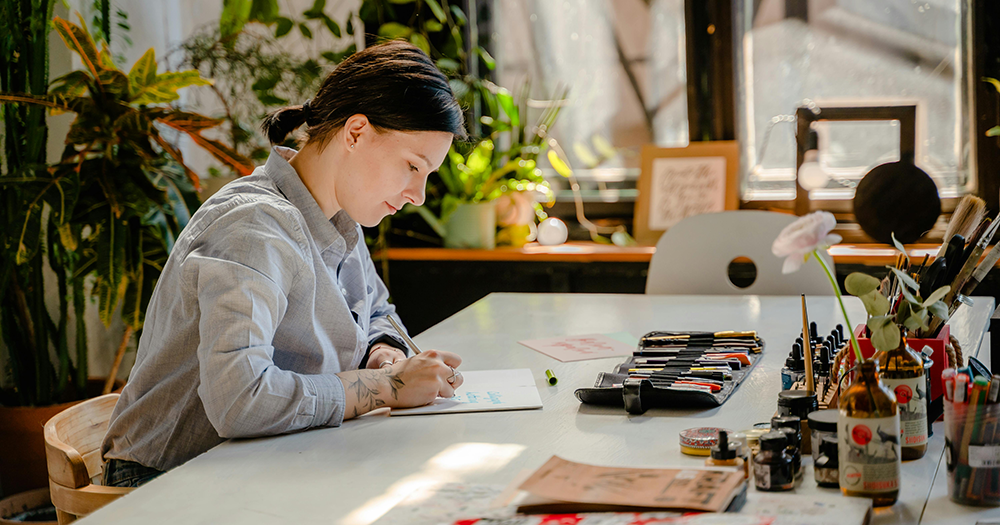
(680, 182)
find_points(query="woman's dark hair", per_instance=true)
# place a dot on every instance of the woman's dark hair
(394, 84)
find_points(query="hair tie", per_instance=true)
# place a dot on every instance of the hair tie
(307, 110)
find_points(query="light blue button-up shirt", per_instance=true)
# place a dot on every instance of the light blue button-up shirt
(262, 300)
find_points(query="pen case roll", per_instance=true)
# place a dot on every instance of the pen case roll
(637, 395)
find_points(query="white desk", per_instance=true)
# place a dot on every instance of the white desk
(353, 474)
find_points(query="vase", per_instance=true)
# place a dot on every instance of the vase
(901, 370)
(472, 225)
(868, 438)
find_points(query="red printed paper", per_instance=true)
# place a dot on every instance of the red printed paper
(579, 347)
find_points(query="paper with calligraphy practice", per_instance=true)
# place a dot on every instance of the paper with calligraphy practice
(560, 480)
(685, 186)
(483, 391)
(580, 347)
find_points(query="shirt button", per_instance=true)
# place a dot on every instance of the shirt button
(344, 290)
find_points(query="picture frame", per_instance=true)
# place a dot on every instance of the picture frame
(676, 183)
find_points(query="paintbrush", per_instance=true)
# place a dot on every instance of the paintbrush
(981, 270)
(966, 217)
(810, 378)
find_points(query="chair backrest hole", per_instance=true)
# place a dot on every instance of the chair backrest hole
(742, 272)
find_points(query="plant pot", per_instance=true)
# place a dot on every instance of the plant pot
(36, 500)
(22, 442)
(472, 226)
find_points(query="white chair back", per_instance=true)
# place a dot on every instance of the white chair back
(693, 257)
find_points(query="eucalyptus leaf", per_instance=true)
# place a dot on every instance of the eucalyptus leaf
(885, 334)
(394, 30)
(875, 303)
(908, 295)
(282, 27)
(939, 310)
(936, 296)
(436, 9)
(900, 247)
(859, 284)
(905, 278)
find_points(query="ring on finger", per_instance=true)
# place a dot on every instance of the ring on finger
(386, 362)
(454, 375)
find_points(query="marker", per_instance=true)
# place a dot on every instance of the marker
(961, 387)
(994, 389)
(551, 378)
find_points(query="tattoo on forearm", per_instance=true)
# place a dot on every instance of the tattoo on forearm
(365, 388)
(395, 383)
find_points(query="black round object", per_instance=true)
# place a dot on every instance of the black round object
(824, 420)
(896, 198)
(774, 441)
(796, 403)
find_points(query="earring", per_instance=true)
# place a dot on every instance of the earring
(352, 146)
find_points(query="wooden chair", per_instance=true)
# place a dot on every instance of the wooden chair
(73, 450)
(693, 257)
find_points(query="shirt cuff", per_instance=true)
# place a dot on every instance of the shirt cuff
(391, 341)
(330, 400)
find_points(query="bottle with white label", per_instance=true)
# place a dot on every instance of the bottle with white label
(902, 371)
(868, 439)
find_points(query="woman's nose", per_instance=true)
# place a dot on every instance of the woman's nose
(415, 192)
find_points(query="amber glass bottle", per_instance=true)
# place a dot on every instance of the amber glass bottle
(868, 436)
(902, 371)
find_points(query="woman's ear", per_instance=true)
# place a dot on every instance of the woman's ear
(356, 128)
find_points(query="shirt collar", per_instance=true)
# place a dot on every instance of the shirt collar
(325, 230)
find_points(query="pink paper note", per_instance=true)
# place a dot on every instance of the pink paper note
(579, 347)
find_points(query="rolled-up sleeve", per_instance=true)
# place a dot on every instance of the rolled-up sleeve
(243, 285)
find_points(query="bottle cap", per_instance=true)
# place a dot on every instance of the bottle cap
(792, 422)
(828, 446)
(791, 436)
(824, 420)
(773, 441)
(699, 441)
(797, 402)
(724, 449)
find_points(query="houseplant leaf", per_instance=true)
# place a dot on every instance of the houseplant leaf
(905, 278)
(885, 333)
(859, 284)
(110, 266)
(899, 246)
(143, 72)
(875, 303)
(936, 296)
(79, 40)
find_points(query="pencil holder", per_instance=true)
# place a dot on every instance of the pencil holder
(972, 451)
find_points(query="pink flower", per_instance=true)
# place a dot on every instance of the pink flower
(799, 239)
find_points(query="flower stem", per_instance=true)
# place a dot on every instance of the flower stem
(840, 300)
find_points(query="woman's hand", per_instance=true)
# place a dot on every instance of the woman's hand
(411, 382)
(382, 355)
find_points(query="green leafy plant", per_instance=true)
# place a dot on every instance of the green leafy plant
(438, 27)
(482, 172)
(108, 212)
(247, 56)
(995, 130)
(888, 322)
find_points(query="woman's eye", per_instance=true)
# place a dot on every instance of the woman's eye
(413, 168)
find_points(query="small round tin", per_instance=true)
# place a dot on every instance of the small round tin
(699, 441)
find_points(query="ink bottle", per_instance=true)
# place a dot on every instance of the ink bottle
(826, 469)
(791, 425)
(725, 454)
(868, 439)
(772, 466)
(742, 442)
(902, 372)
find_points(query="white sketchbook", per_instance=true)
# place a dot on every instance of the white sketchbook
(485, 390)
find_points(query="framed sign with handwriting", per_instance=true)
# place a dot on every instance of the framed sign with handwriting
(680, 182)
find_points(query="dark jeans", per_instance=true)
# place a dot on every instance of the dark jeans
(123, 473)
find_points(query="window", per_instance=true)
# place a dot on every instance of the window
(855, 53)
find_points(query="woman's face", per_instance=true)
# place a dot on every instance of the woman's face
(386, 170)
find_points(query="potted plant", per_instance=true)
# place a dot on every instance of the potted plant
(473, 179)
(103, 220)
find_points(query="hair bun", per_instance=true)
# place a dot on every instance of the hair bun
(278, 124)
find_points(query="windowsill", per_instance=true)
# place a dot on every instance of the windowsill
(584, 252)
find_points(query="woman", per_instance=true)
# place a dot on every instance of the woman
(269, 316)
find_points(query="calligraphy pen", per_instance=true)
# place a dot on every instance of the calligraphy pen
(399, 330)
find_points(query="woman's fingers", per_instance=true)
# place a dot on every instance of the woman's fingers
(450, 359)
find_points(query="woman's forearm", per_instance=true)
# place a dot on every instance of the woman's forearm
(365, 390)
